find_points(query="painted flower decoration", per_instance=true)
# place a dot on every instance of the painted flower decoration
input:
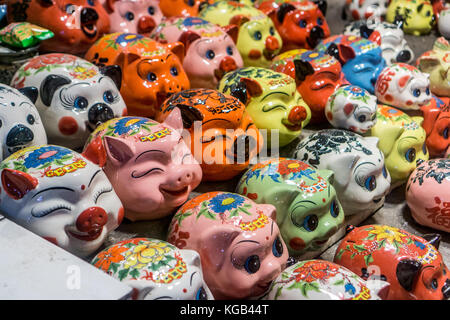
(225, 202)
(49, 59)
(127, 124)
(391, 234)
(389, 112)
(355, 91)
(313, 270)
(112, 255)
(45, 155)
(291, 166)
(125, 38)
(193, 21)
(144, 254)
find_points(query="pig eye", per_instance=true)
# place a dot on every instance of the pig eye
(319, 21)
(210, 54)
(272, 31)
(44, 213)
(370, 183)
(362, 118)
(410, 155)
(445, 133)
(30, 119)
(424, 147)
(302, 23)
(174, 71)
(70, 8)
(201, 294)
(129, 16)
(151, 77)
(230, 51)
(257, 35)
(334, 209)
(1, 123)
(80, 103)
(310, 223)
(151, 10)
(427, 91)
(277, 248)
(108, 97)
(416, 92)
(384, 172)
(252, 264)
(191, 3)
(434, 284)
(91, 2)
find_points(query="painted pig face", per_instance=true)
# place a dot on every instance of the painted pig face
(414, 17)
(436, 122)
(360, 58)
(324, 280)
(20, 123)
(210, 51)
(437, 64)
(74, 95)
(272, 101)
(223, 137)
(61, 196)
(239, 243)
(133, 16)
(154, 160)
(77, 24)
(301, 24)
(309, 212)
(317, 76)
(151, 71)
(403, 86)
(155, 269)
(402, 141)
(427, 194)
(411, 264)
(364, 9)
(352, 108)
(360, 177)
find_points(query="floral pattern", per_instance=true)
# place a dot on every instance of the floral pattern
(225, 202)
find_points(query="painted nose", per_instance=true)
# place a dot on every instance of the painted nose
(185, 178)
(403, 56)
(272, 43)
(297, 115)
(19, 135)
(228, 64)
(315, 36)
(146, 24)
(446, 289)
(88, 15)
(100, 113)
(91, 220)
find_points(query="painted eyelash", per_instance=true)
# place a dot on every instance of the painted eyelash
(67, 100)
(50, 210)
(100, 192)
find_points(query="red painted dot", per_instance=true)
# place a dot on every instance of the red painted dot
(329, 115)
(409, 102)
(267, 238)
(185, 290)
(297, 243)
(323, 200)
(389, 97)
(83, 187)
(68, 126)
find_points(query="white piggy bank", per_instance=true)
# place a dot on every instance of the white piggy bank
(61, 196)
(444, 23)
(74, 95)
(20, 123)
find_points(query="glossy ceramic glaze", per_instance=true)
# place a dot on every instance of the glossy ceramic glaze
(301, 24)
(223, 137)
(210, 51)
(403, 86)
(317, 76)
(402, 141)
(61, 196)
(444, 23)
(365, 9)
(151, 71)
(239, 243)
(436, 122)
(352, 108)
(155, 269)
(77, 24)
(258, 41)
(20, 121)
(360, 176)
(184, 8)
(74, 95)
(427, 194)
(411, 264)
(324, 280)
(308, 211)
(271, 99)
(148, 163)
(415, 16)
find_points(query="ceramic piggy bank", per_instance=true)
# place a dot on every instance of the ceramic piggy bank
(360, 58)
(444, 23)
(74, 95)
(352, 108)
(210, 51)
(77, 24)
(402, 141)
(258, 41)
(184, 8)
(413, 16)
(436, 122)
(437, 63)
(365, 9)
(61, 196)
(272, 101)
(411, 264)
(20, 123)
(324, 280)
(317, 76)
(223, 137)
(360, 177)
(308, 211)
(150, 71)
(403, 86)
(152, 158)
(155, 269)
(133, 16)
(427, 194)
(301, 23)
(239, 243)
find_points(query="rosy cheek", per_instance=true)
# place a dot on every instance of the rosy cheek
(297, 244)
(67, 126)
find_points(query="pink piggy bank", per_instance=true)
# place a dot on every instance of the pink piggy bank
(148, 163)
(210, 51)
(239, 243)
(427, 194)
(133, 16)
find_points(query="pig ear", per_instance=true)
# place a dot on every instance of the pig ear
(402, 82)
(95, 152)
(238, 20)
(178, 49)
(49, 86)
(269, 210)
(418, 119)
(214, 242)
(17, 183)
(118, 150)
(232, 30)
(327, 175)
(187, 38)
(427, 64)
(30, 92)
(174, 120)
(253, 87)
(191, 257)
(341, 52)
(110, 5)
(430, 116)
(434, 239)
(322, 4)
(407, 271)
(125, 59)
(348, 109)
(115, 73)
(393, 133)
(283, 10)
(342, 168)
(302, 70)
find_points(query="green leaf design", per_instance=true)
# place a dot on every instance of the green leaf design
(371, 237)
(339, 254)
(135, 273)
(278, 293)
(182, 215)
(313, 286)
(114, 267)
(123, 274)
(206, 213)
(339, 283)
(368, 259)
(45, 165)
(359, 247)
(244, 210)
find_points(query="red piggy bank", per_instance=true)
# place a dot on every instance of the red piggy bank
(411, 264)
(77, 24)
(436, 122)
(301, 24)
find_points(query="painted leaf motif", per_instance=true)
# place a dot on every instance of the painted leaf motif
(278, 293)
(339, 283)
(114, 267)
(134, 273)
(368, 259)
(123, 274)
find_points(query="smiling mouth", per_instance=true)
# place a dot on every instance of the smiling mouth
(86, 236)
(291, 127)
(89, 29)
(176, 193)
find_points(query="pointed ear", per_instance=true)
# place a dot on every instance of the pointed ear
(95, 152)
(342, 168)
(238, 20)
(327, 175)
(341, 52)
(49, 86)
(302, 70)
(30, 92)
(118, 150)
(418, 119)
(392, 132)
(430, 115)
(17, 183)
(348, 109)
(407, 271)
(428, 64)
(110, 5)
(191, 257)
(269, 210)
(232, 30)
(254, 89)
(177, 48)
(434, 239)
(115, 73)
(365, 31)
(187, 38)
(214, 244)
(125, 59)
(174, 120)
(283, 10)
(322, 4)
(403, 82)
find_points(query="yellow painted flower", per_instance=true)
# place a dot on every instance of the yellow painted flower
(145, 254)
(388, 233)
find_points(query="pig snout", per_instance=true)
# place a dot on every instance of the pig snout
(297, 115)
(315, 36)
(92, 220)
(146, 24)
(100, 113)
(88, 15)
(228, 64)
(19, 135)
(446, 289)
(272, 43)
